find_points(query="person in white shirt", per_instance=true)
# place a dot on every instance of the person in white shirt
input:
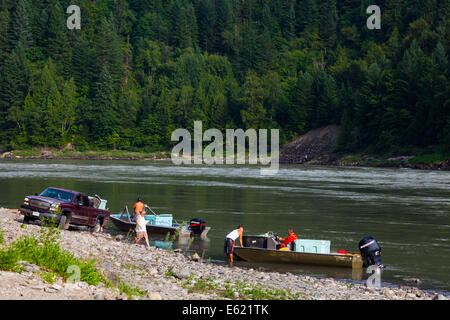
(229, 243)
(141, 228)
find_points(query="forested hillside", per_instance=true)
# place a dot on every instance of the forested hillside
(139, 69)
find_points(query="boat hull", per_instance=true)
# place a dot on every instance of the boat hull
(301, 258)
(125, 226)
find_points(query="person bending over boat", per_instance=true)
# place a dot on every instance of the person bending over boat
(138, 207)
(288, 242)
(141, 228)
(229, 243)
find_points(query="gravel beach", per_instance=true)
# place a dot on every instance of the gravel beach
(170, 275)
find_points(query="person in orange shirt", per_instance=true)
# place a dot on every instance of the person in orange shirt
(289, 241)
(138, 207)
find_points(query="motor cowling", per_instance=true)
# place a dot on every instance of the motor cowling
(197, 225)
(370, 252)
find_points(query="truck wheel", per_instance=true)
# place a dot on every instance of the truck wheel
(97, 227)
(62, 223)
(26, 219)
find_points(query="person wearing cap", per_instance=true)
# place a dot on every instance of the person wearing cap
(288, 242)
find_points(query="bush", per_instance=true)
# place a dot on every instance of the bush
(47, 253)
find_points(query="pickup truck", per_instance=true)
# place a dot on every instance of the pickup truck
(65, 208)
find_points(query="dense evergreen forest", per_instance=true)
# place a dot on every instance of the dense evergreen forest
(139, 69)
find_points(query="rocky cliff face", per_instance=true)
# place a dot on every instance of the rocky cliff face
(316, 146)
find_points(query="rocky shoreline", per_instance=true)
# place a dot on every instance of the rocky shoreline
(328, 159)
(54, 156)
(318, 147)
(395, 163)
(170, 275)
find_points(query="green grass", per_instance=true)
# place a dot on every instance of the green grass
(2, 237)
(377, 160)
(131, 291)
(200, 285)
(113, 154)
(27, 153)
(169, 273)
(121, 154)
(257, 292)
(48, 277)
(430, 158)
(361, 159)
(45, 252)
(237, 290)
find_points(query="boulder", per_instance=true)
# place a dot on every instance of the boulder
(182, 274)
(154, 296)
(388, 293)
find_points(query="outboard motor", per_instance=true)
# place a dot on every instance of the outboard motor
(197, 226)
(370, 252)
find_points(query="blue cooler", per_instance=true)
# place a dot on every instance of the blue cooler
(164, 220)
(312, 246)
(150, 218)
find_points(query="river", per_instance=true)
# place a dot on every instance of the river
(407, 211)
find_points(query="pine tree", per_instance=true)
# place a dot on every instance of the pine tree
(224, 22)
(324, 109)
(301, 98)
(22, 24)
(69, 97)
(307, 16)
(105, 117)
(58, 47)
(288, 20)
(412, 94)
(328, 21)
(374, 116)
(206, 25)
(14, 82)
(148, 60)
(184, 25)
(83, 62)
(253, 112)
(5, 36)
(43, 107)
(109, 51)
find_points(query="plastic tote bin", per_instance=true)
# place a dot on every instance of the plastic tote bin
(150, 218)
(312, 246)
(164, 220)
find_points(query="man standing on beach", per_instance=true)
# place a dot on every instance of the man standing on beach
(229, 243)
(141, 228)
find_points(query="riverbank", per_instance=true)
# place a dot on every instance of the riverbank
(68, 154)
(423, 162)
(318, 147)
(169, 275)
